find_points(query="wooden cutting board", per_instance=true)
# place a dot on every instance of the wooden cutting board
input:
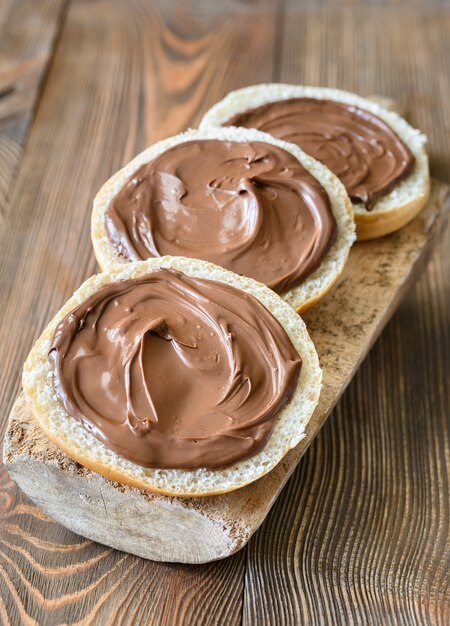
(344, 327)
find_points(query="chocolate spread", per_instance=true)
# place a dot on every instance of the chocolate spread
(171, 371)
(250, 207)
(359, 147)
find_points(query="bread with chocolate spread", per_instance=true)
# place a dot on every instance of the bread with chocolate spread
(236, 197)
(379, 157)
(175, 376)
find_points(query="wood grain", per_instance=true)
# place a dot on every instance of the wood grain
(123, 74)
(28, 32)
(326, 554)
(51, 576)
(360, 534)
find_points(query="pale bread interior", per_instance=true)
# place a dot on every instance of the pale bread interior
(301, 297)
(68, 434)
(391, 211)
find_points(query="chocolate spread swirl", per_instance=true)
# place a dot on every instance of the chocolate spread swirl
(171, 371)
(356, 145)
(249, 207)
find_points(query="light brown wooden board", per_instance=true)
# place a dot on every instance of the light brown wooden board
(360, 533)
(343, 327)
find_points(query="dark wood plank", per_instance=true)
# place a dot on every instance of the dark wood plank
(28, 31)
(360, 534)
(124, 74)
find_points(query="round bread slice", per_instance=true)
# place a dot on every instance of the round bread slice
(300, 297)
(391, 211)
(71, 437)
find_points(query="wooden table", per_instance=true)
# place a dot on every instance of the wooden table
(360, 533)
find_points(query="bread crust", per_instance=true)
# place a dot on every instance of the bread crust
(121, 477)
(373, 225)
(386, 215)
(70, 436)
(301, 297)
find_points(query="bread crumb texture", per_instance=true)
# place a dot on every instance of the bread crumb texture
(402, 203)
(68, 434)
(301, 297)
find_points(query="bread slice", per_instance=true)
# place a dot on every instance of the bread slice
(391, 211)
(301, 297)
(68, 434)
